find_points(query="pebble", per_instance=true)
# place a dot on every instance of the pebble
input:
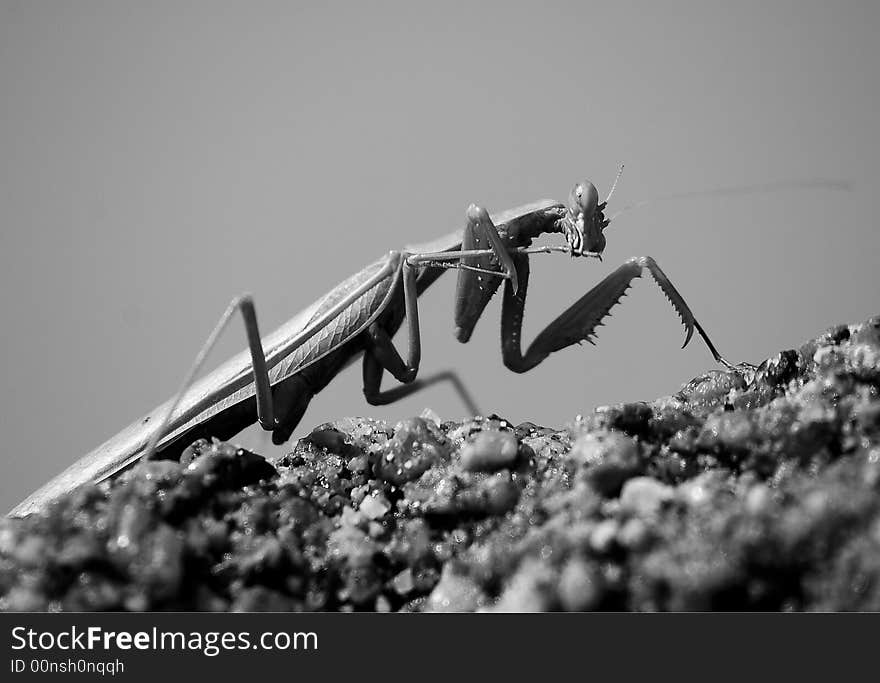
(31, 551)
(329, 438)
(603, 535)
(528, 590)
(868, 332)
(501, 493)
(633, 535)
(644, 495)
(489, 451)
(732, 431)
(610, 458)
(403, 583)
(454, 593)
(430, 416)
(579, 586)
(374, 507)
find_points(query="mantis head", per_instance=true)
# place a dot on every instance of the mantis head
(586, 218)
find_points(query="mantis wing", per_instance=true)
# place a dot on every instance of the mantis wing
(232, 382)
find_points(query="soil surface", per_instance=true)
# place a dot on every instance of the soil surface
(754, 489)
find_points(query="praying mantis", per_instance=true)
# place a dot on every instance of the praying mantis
(273, 381)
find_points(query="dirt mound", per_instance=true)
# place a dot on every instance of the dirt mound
(757, 489)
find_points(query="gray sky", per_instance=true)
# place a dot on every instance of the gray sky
(157, 159)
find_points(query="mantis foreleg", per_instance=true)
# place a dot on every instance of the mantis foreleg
(580, 321)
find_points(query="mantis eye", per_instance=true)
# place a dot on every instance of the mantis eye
(584, 199)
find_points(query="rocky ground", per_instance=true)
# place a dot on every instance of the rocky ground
(743, 490)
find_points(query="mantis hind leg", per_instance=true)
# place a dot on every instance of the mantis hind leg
(381, 355)
(581, 320)
(265, 411)
(294, 396)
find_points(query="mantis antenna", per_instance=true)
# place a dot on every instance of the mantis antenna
(809, 183)
(614, 184)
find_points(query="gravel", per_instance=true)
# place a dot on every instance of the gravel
(755, 489)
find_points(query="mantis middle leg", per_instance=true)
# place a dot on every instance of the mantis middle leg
(380, 353)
